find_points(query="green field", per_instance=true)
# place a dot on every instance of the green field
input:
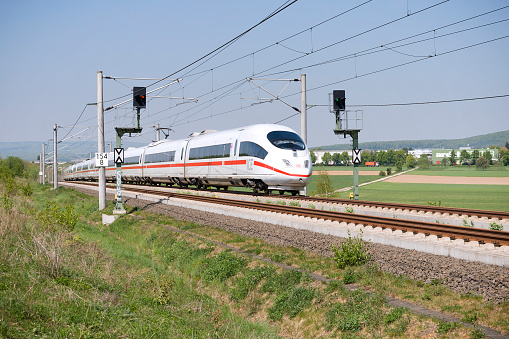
(350, 168)
(485, 197)
(340, 181)
(463, 171)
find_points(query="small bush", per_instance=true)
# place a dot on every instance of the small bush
(496, 227)
(352, 252)
(389, 171)
(349, 209)
(444, 327)
(382, 174)
(225, 265)
(294, 203)
(466, 224)
(350, 277)
(394, 315)
(291, 302)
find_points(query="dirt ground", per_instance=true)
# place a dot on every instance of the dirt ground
(431, 179)
(435, 179)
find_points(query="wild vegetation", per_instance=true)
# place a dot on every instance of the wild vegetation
(64, 274)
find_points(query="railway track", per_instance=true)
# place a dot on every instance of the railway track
(495, 215)
(497, 238)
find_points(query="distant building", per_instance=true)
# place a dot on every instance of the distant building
(418, 152)
(439, 154)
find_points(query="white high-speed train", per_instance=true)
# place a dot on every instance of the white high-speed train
(264, 157)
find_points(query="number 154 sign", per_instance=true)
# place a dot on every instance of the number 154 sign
(101, 159)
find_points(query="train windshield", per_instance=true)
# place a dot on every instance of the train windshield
(286, 140)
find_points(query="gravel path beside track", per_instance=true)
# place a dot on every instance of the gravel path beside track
(492, 282)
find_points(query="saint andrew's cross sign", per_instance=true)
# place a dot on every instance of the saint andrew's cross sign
(118, 155)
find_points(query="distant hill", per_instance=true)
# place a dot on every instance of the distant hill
(480, 141)
(30, 150)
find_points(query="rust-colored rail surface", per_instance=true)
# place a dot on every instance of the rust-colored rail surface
(500, 215)
(454, 232)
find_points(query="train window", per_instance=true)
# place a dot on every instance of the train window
(286, 140)
(131, 160)
(250, 149)
(160, 157)
(208, 152)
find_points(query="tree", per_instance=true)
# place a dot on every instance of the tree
(324, 183)
(505, 159)
(313, 157)
(345, 158)
(381, 157)
(488, 156)
(400, 156)
(464, 156)
(336, 159)
(410, 161)
(423, 161)
(445, 161)
(326, 158)
(475, 155)
(399, 166)
(452, 157)
(391, 156)
(482, 162)
(14, 165)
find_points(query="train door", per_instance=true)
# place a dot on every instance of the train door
(235, 156)
(182, 167)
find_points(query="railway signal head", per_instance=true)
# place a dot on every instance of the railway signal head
(339, 100)
(139, 97)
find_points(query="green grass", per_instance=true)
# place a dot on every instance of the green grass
(350, 168)
(136, 278)
(463, 171)
(486, 197)
(341, 181)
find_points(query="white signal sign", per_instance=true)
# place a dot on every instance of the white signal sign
(101, 159)
(118, 155)
(356, 156)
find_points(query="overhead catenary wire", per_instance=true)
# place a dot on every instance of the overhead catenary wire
(223, 46)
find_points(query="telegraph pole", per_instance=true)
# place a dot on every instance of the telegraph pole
(43, 160)
(100, 140)
(55, 162)
(158, 134)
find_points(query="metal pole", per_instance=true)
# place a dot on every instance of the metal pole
(100, 140)
(55, 162)
(119, 208)
(158, 134)
(43, 165)
(40, 168)
(355, 144)
(303, 118)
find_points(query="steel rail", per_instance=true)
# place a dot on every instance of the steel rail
(481, 235)
(500, 215)
(440, 209)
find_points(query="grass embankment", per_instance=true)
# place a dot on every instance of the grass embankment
(64, 274)
(487, 197)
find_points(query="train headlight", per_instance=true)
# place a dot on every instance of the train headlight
(287, 163)
(306, 163)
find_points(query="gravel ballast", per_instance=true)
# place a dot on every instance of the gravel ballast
(489, 281)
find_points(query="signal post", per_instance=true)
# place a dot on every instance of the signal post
(139, 101)
(348, 122)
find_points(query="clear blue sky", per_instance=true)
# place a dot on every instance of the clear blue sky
(52, 50)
